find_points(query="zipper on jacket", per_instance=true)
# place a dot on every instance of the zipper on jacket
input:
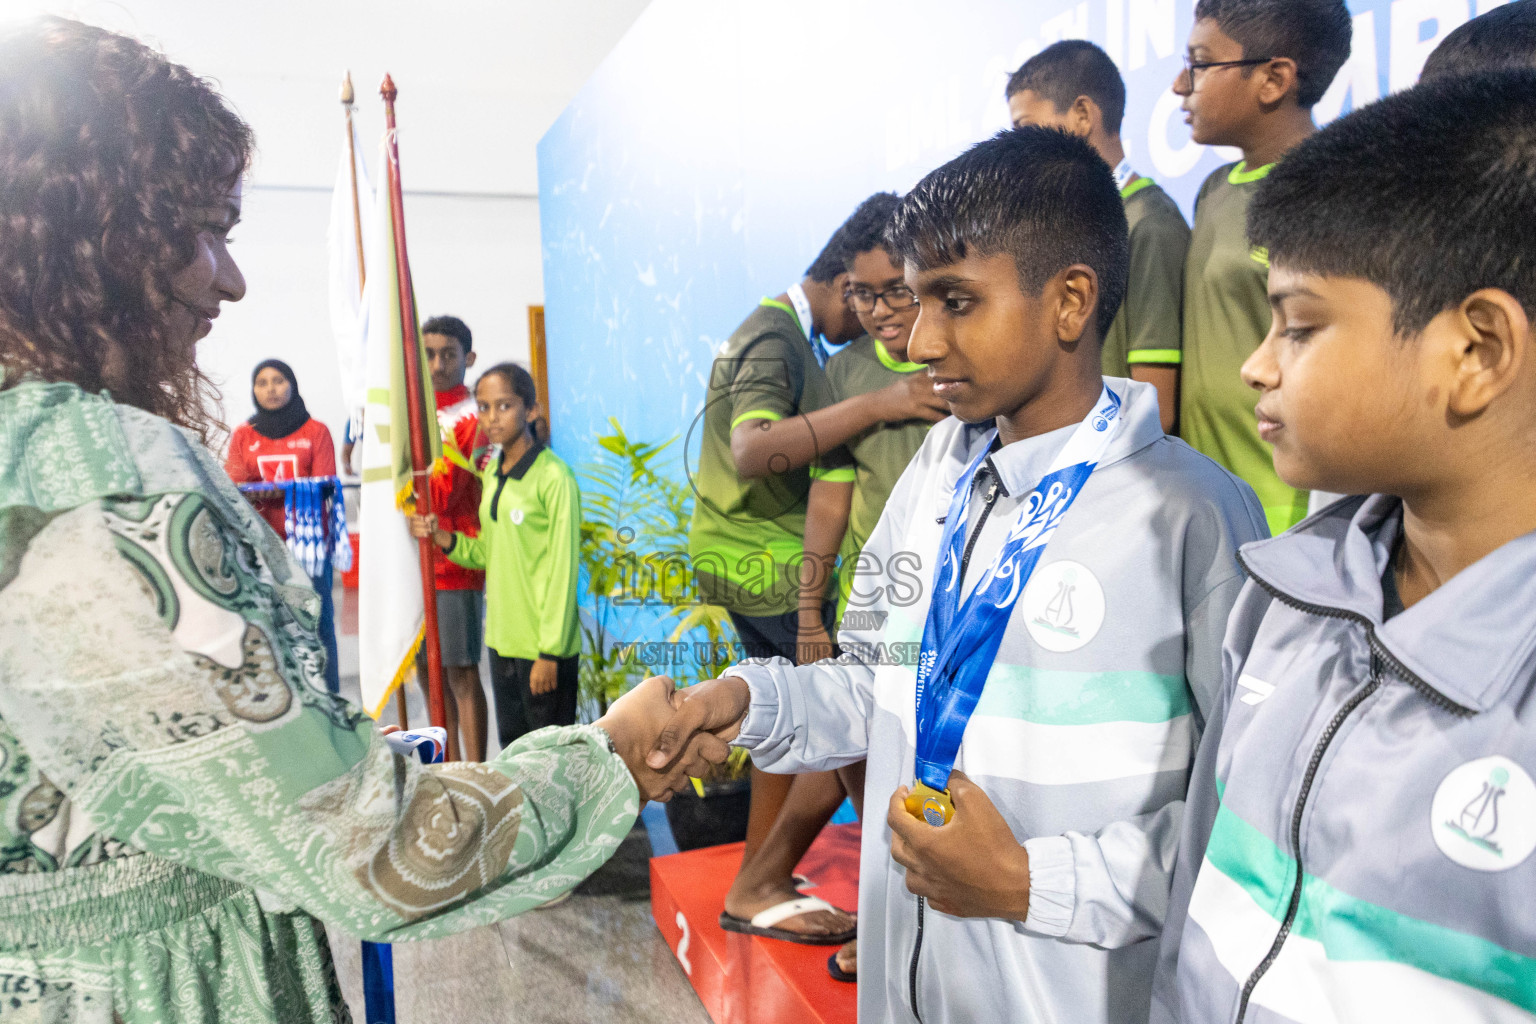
(1381, 659)
(1378, 649)
(965, 560)
(1354, 701)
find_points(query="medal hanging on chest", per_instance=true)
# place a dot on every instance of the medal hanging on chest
(960, 640)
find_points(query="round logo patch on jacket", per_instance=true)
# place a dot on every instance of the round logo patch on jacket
(1063, 606)
(1484, 814)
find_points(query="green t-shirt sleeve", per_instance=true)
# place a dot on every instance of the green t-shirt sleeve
(767, 379)
(557, 618)
(467, 551)
(835, 466)
(1154, 301)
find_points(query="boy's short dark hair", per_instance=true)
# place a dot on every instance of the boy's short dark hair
(517, 378)
(829, 262)
(1313, 33)
(451, 327)
(1502, 39)
(1040, 195)
(865, 230)
(1071, 68)
(1428, 194)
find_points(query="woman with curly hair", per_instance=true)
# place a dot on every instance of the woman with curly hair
(181, 801)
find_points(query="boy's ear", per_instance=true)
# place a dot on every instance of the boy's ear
(1078, 300)
(1492, 335)
(1277, 80)
(1084, 116)
(469, 358)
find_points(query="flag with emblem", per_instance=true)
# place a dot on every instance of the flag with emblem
(390, 608)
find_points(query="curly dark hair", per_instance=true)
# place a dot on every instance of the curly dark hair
(108, 152)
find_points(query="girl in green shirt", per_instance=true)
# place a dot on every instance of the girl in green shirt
(182, 800)
(528, 546)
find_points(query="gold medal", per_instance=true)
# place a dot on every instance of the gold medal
(929, 804)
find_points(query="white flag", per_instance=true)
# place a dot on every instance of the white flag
(390, 610)
(346, 276)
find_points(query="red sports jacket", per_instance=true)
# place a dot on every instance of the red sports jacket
(307, 451)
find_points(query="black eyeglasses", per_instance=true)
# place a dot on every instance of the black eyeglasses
(896, 299)
(1191, 66)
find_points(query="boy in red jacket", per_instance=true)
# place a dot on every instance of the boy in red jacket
(456, 500)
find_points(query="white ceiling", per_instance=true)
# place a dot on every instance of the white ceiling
(480, 80)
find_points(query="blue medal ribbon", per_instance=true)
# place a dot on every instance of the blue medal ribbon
(960, 641)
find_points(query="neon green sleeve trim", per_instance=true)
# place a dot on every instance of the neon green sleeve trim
(776, 304)
(840, 475)
(756, 414)
(1241, 175)
(891, 363)
(1155, 355)
(1134, 187)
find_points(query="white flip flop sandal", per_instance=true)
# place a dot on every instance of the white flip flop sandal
(765, 923)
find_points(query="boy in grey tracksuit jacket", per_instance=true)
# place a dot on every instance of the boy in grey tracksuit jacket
(1084, 734)
(1359, 835)
(1402, 750)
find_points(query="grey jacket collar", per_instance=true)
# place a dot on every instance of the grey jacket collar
(1019, 467)
(1471, 641)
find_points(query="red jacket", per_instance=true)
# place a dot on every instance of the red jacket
(456, 494)
(307, 451)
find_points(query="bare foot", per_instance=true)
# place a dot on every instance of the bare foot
(746, 903)
(848, 957)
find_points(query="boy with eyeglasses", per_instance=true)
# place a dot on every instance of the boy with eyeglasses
(1254, 70)
(1074, 86)
(850, 485)
(768, 416)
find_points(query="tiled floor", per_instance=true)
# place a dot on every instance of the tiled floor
(595, 958)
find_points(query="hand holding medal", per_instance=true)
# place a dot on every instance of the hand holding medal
(972, 866)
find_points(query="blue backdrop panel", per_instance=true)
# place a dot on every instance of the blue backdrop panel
(722, 141)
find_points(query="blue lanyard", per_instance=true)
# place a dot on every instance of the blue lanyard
(960, 642)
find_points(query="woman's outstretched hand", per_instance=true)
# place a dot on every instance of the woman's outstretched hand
(636, 722)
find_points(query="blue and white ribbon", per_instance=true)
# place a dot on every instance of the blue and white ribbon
(960, 642)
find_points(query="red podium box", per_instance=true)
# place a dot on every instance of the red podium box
(743, 979)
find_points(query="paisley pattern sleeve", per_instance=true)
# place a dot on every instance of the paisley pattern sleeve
(172, 689)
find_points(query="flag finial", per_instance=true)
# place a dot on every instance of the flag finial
(346, 90)
(387, 89)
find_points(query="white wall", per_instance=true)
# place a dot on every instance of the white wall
(475, 257)
(480, 81)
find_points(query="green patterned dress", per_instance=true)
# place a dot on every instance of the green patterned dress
(181, 801)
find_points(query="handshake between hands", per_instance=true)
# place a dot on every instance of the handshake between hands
(666, 735)
(971, 867)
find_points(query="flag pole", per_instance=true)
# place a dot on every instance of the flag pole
(362, 272)
(357, 212)
(415, 402)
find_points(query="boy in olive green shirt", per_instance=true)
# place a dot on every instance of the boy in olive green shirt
(1253, 72)
(769, 414)
(849, 485)
(1074, 86)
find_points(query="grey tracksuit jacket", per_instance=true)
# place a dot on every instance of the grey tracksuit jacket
(1083, 737)
(1387, 768)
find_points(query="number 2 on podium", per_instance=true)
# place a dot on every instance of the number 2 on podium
(682, 945)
